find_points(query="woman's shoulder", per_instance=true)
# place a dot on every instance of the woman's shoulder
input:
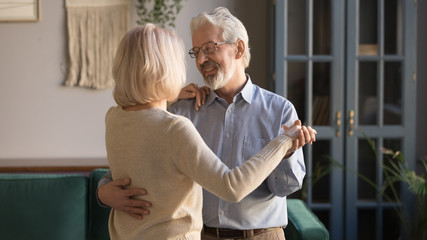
(180, 123)
(178, 119)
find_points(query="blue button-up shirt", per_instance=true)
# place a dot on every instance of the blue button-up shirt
(236, 132)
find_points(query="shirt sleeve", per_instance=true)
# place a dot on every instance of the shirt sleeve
(196, 160)
(288, 177)
(107, 178)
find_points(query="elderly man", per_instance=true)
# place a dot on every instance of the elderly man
(236, 120)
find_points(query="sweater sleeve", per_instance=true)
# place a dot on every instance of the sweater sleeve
(194, 158)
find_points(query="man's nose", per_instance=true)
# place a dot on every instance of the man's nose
(202, 57)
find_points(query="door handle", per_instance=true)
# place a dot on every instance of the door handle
(338, 123)
(351, 123)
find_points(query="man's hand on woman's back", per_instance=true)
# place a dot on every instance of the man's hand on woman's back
(116, 195)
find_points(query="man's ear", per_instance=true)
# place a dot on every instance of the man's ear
(240, 48)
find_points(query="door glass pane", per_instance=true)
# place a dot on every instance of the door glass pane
(393, 21)
(366, 167)
(368, 101)
(321, 27)
(321, 93)
(297, 27)
(391, 225)
(296, 87)
(320, 177)
(323, 217)
(388, 163)
(366, 227)
(393, 93)
(368, 39)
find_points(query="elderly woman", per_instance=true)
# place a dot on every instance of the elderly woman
(164, 152)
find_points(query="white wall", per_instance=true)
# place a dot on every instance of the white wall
(45, 123)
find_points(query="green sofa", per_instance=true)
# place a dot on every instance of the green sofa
(64, 206)
(303, 224)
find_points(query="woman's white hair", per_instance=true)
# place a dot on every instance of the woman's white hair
(148, 66)
(232, 28)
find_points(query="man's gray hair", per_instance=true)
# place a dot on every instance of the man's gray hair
(232, 28)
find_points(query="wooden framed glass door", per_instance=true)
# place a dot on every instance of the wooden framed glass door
(309, 71)
(380, 107)
(349, 67)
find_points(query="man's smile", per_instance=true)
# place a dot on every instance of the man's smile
(209, 68)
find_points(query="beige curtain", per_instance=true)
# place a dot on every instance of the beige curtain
(95, 28)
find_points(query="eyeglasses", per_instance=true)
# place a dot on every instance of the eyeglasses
(206, 48)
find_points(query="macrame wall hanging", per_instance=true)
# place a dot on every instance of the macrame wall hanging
(95, 28)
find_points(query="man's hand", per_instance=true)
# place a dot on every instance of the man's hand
(115, 195)
(305, 135)
(192, 90)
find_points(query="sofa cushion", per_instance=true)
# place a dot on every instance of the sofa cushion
(98, 216)
(43, 206)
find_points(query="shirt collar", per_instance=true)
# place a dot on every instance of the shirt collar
(210, 98)
(246, 92)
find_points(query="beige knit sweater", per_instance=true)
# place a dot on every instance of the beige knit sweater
(165, 154)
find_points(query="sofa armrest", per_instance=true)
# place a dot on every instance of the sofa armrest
(303, 224)
(98, 216)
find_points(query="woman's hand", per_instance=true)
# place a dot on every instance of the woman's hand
(301, 135)
(192, 90)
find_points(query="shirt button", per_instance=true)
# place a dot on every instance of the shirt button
(221, 212)
(227, 135)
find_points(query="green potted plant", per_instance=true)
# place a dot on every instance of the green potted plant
(397, 171)
(160, 12)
